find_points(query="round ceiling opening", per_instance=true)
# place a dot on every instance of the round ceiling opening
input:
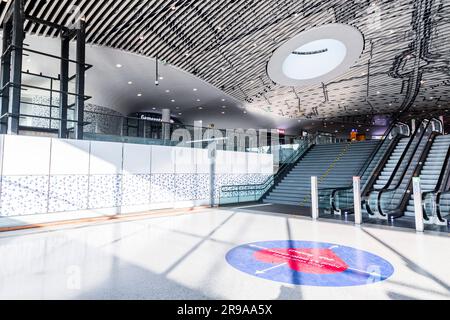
(314, 59)
(317, 55)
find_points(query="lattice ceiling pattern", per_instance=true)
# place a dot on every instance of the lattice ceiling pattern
(404, 66)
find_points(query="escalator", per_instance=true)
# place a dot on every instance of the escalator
(391, 201)
(396, 137)
(436, 202)
(430, 173)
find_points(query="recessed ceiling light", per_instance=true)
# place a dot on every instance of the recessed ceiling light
(179, 113)
(195, 89)
(139, 94)
(378, 92)
(118, 65)
(172, 100)
(246, 112)
(161, 78)
(224, 107)
(200, 108)
(198, 100)
(154, 108)
(223, 100)
(223, 112)
(130, 82)
(167, 90)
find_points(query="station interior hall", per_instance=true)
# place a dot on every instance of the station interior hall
(224, 150)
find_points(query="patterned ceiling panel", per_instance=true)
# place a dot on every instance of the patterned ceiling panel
(228, 43)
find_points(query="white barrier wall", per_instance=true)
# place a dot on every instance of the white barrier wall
(47, 175)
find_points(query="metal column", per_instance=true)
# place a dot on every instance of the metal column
(314, 198)
(357, 199)
(5, 74)
(418, 210)
(16, 67)
(64, 85)
(80, 79)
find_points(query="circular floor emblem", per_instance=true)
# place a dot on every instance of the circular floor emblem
(309, 263)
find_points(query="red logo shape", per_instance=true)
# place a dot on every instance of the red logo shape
(307, 260)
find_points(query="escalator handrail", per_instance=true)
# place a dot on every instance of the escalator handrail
(388, 188)
(416, 173)
(376, 171)
(372, 155)
(362, 171)
(402, 157)
(381, 164)
(440, 188)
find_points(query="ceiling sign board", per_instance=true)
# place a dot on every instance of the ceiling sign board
(316, 56)
(310, 263)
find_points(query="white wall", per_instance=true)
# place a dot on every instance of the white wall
(46, 175)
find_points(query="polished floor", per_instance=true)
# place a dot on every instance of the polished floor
(184, 257)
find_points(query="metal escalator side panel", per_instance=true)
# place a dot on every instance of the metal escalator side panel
(373, 195)
(396, 198)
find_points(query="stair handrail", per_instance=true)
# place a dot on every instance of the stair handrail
(388, 188)
(289, 163)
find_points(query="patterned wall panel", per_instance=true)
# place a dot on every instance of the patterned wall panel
(102, 120)
(135, 189)
(23, 195)
(105, 191)
(68, 193)
(203, 186)
(80, 175)
(163, 187)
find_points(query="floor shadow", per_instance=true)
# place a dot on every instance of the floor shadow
(409, 263)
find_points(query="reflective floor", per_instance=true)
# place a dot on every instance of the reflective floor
(184, 257)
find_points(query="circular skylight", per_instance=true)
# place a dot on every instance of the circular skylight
(317, 55)
(314, 59)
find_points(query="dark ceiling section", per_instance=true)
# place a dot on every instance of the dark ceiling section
(404, 66)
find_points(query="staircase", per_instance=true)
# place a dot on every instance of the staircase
(295, 188)
(388, 169)
(429, 175)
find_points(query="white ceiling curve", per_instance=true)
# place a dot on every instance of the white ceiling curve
(227, 43)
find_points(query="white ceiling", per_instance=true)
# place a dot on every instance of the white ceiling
(108, 86)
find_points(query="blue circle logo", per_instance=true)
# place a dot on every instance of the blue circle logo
(309, 263)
